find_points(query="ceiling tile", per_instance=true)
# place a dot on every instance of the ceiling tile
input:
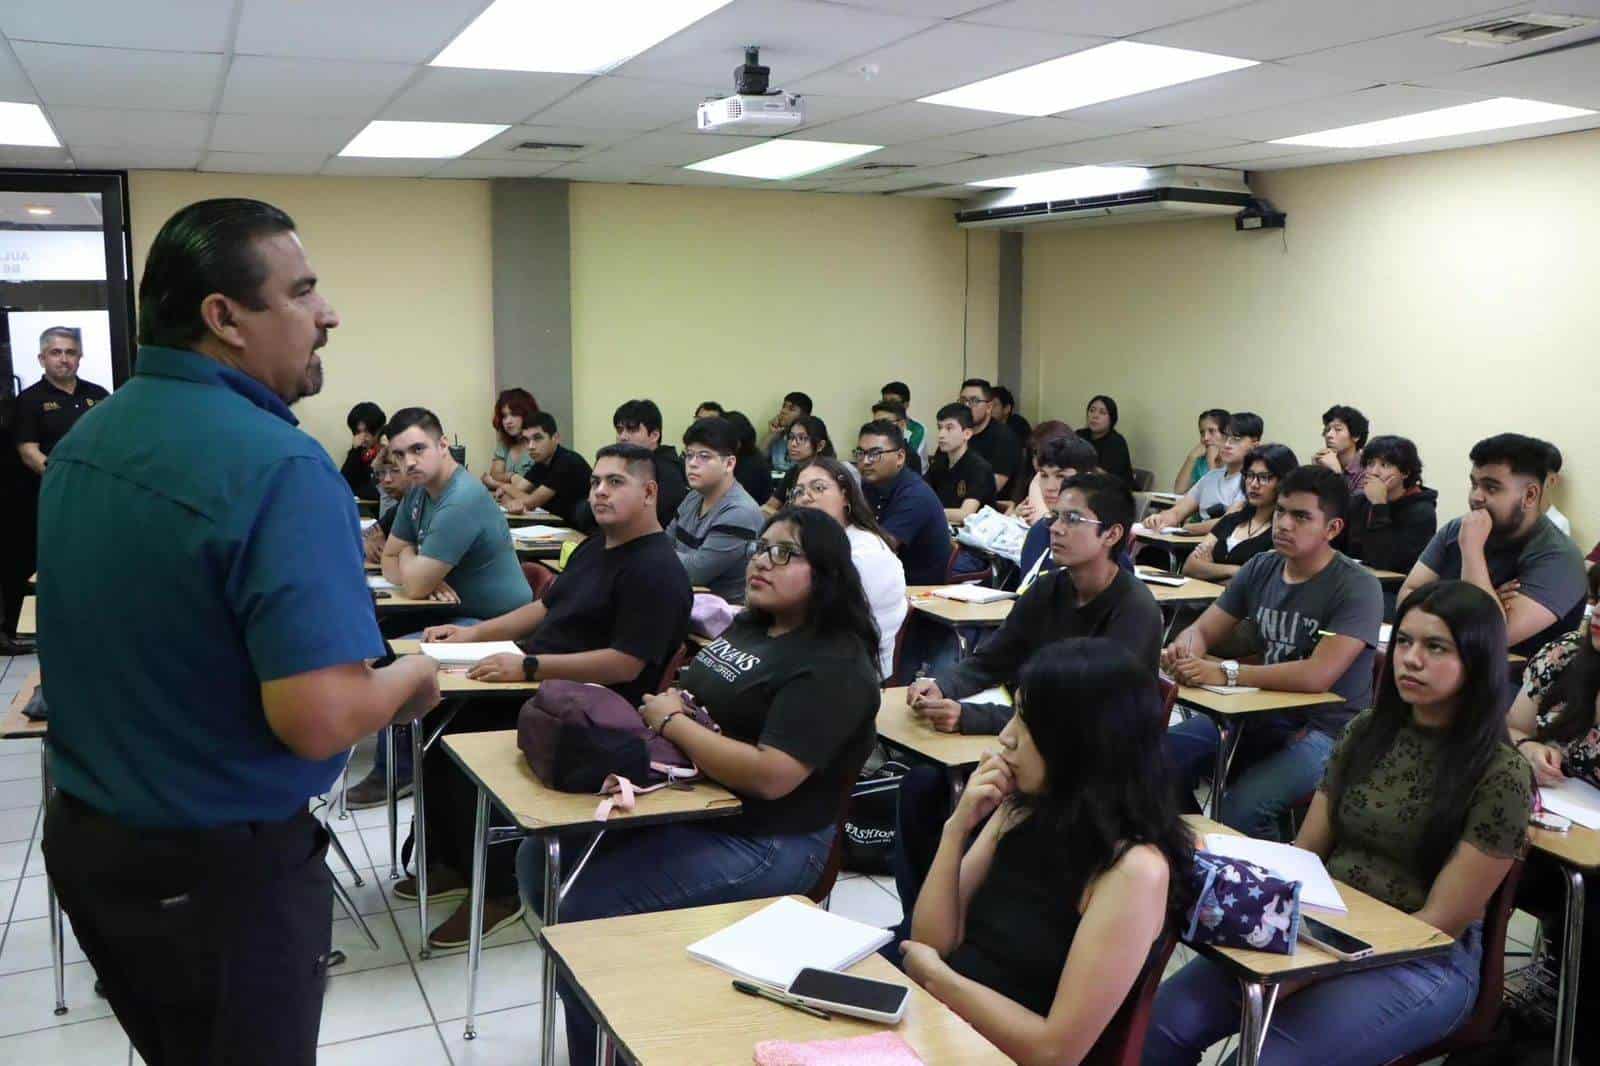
(946, 57)
(260, 85)
(99, 157)
(72, 76)
(1369, 105)
(1239, 156)
(998, 166)
(921, 155)
(13, 82)
(885, 183)
(1095, 17)
(1273, 29)
(116, 128)
(590, 140)
(624, 104)
(679, 176)
(294, 134)
(450, 94)
(938, 9)
(906, 122)
(352, 29)
(670, 149)
(1023, 135)
(492, 168)
(169, 25)
(263, 163)
(590, 170)
(1142, 147)
(941, 192)
(1569, 76)
(1420, 57)
(797, 38)
(1250, 89)
(34, 157)
(381, 168)
(1440, 144)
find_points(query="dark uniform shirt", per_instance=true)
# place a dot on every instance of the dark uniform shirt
(971, 478)
(45, 413)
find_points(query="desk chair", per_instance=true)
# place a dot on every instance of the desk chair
(952, 576)
(539, 578)
(899, 652)
(1122, 1043)
(823, 889)
(1169, 696)
(1142, 479)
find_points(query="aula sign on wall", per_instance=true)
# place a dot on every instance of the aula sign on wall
(52, 255)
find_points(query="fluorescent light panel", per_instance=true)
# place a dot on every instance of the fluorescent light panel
(1070, 182)
(1499, 113)
(568, 36)
(24, 125)
(1093, 76)
(419, 140)
(782, 159)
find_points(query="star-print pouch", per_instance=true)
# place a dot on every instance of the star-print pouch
(1242, 905)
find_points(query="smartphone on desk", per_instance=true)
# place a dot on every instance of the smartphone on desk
(1335, 942)
(841, 993)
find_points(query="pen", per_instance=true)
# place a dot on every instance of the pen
(777, 997)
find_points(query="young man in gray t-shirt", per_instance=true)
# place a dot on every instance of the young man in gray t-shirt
(1316, 615)
(718, 519)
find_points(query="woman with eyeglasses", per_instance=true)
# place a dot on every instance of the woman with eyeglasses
(808, 438)
(1246, 531)
(791, 691)
(826, 485)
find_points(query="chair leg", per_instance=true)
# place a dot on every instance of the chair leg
(344, 856)
(341, 894)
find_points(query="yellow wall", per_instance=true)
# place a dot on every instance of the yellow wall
(692, 294)
(1448, 295)
(406, 263)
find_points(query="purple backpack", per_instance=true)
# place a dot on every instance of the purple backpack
(575, 735)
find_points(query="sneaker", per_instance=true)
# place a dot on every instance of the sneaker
(444, 886)
(498, 914)
(373, 791)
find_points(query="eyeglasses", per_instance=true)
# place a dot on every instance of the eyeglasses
(700, 457)
(815, 488)
(974, 401)
(872, 455)
(778, 554)
(1074, 519)
(1258, 477)
(799, 438)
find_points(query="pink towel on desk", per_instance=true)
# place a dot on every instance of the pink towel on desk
(879, 1049)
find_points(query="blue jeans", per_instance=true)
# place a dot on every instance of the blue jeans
(1272, 770)
(1356, 1020)
(664, 868)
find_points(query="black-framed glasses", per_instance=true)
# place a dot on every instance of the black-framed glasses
(1260, 477)
(799, 438)
(778, 554)
(973, 401)
(872, 455)
(1074, 519)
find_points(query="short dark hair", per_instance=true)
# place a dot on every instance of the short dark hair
(411, 418)
(817, 430)
(892, 407)
(980, 383)
(744, 432)
(799, 399)
(1111, 501)
(1398, 452)
(366, 414)
(885, 429)
(715, 433)
(1353, 420)
(956, 412)
(1555, 457)
(1528, 456)
(710, 405)
(1215, 414)
(1003, 394)
(1069, 453)
(639, 460)
(543, 420)
(1279, 459)
(899, 388)
(1246, 424)
(1328, 486)
(206, 247)
(643, 413)
(1111, 407)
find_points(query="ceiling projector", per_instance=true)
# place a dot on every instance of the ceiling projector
(751, 108)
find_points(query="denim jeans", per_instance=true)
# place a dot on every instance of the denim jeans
(1356, 1020)
(663, 868)
(1272, 770)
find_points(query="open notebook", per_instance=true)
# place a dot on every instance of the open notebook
(468, 654)
(1288, 862)
(972, 593)
(537, 532)
(1573, 799)
(784, 937)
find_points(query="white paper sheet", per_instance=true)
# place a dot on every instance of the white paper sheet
(1288, 862)
(1573, 799)
(467, 654)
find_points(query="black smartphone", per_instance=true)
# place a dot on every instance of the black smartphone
(1335, 941)
(830, 990)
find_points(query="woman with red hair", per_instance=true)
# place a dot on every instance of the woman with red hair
(512, 410)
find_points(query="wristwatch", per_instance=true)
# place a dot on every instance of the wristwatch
(530, 668)
(1230, 670)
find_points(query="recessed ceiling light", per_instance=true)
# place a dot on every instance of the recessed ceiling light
(787, 158)
(1093, 76)
(420, 140)
(35, 209)
(564, 37)
(25, 125)
(1070, 183)
(1499, 113)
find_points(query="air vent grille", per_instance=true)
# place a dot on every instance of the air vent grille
(547, 146)
(1518, 29)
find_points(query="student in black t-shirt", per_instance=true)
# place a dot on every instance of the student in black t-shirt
(1246, 531)
(558, 480)
(1036, 931)
(793, 687)
(961, 478)
(808, 438)
(616, 616)
(366, 421)
(638, 422)
(991, 438)
(1111, 446)
(751, 469)
(1004, 410)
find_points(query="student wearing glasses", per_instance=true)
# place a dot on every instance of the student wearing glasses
(894, 411)
(1218, 492)
(793, 687)
(776, 440)
(1058, 459)
(991, 438)
(1243, 534)
(906, 508)
(808, 438)
(717, 519)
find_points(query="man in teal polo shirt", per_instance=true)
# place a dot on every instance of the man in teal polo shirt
(186, 740)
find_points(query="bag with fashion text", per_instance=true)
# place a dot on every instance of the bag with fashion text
(871, 823)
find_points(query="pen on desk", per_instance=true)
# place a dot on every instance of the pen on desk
(777, 997)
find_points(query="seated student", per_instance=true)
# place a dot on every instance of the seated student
(638, 422)
(894, 411)
(709, 409)
(1036, 931)
(1392, 517)
(1059, 459)
(1243, 534)
(717, 520)
(959, 476)
(366, 426)
(808, 438)
(1317, 614)
(917, 440)
(1505, 538)
(391, 490)
(1222, 489)
(1344, 435)
(1109, 445)
(825, 485)
(1424, 806)
(1206, 455)
(793, 686)
(1546, 498)
(750, 469)
(513, 410)
(556, 477)
(1004, 408)
(615, 616)
(1030, 505)
(775, 442)
(990, 437)
(908, 512)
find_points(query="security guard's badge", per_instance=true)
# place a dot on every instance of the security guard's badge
(50, 405)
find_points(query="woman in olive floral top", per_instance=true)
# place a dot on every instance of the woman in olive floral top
(1424, 806)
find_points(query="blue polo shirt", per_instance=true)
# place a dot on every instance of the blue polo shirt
(909, 511)
(193, 543)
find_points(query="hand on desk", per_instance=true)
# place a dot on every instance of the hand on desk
(1195, 671)
(1158, 521)
(503, 667)
(444, 594)
(450, 634)
(922, 963)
